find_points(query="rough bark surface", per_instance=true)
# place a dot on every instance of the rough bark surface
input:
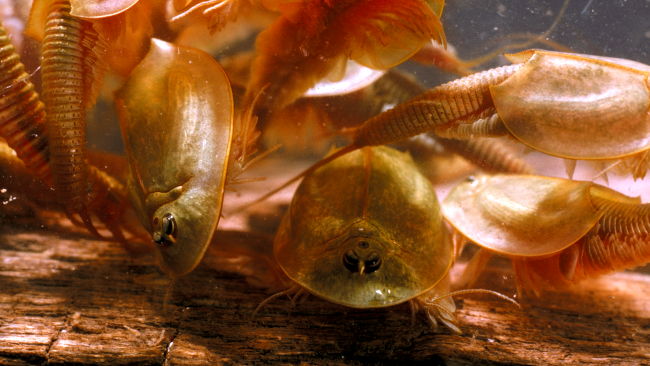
(66, 298)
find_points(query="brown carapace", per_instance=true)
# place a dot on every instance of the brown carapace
(184, 147)
(345, 241)
(556, 231)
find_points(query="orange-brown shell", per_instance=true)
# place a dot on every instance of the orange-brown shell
(526, 215)
(576, 106)
(176, 112)
(369, 200)
(90, 9)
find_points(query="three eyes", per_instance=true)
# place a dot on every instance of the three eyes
(364, 263)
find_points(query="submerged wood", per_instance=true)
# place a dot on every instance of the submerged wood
(68, 298)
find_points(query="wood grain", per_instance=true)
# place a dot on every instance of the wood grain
(66, 298)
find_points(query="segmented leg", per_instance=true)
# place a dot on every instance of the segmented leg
(108, 200)
(438, 306)
(620, 240)
(243, 150)
(107, 197)
(71, 64)
(439, 310)
(460, 100)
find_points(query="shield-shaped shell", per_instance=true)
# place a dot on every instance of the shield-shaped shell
(176, 112)
(365, 230)
(576, 106)
(526, 215)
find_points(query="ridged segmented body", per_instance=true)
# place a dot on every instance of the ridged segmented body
(71, 55)
(623, 236)
(462, 99)
(619, 240)
(23, 125)
(22, 115)
(489, 154)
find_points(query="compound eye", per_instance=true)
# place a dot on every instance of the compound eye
(351, 261)
(372, 262)
(166, 234)
(169, 226)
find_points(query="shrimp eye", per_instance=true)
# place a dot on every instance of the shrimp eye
(351, 261)
(166, 234)
(372, 262)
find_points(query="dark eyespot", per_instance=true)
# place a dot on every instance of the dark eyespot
(363, 244)
(169, 227)
(372, 262)
(351, 261)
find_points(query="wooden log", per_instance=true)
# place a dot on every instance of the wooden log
(66, 298)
